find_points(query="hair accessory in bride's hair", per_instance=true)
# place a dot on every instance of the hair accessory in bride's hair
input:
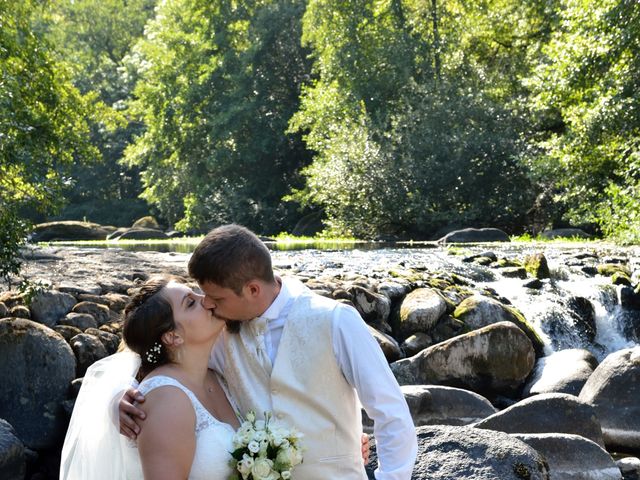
(153, 354)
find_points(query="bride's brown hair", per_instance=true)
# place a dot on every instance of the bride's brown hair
(147, 317)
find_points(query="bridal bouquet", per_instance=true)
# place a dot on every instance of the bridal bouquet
(264, 450)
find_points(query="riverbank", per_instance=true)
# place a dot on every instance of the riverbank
(462, 350)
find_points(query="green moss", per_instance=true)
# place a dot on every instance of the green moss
(611, 268)
(522, 471)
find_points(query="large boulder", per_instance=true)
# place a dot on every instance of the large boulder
(537, 266)
(565, 371)
(88, 349)
(479, 311)
(492, 360)
(12, 454)
(36, 368)
(373, 307)
(439, 405)
(146, 222)
(50, 306)
(613, 389)
(140, 234)
(452, 453)
(387, 343)
(572, 457)
(69, 230)
(475, 235)
(547, 413)
(564, 233)
(420, 310)
(99, 312)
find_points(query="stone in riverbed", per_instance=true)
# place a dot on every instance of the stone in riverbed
(387, 343)
(97, 311)
(629, 467)
(12, 453)
(613, 389)
(547, 413)
(4, 311)
(537, 266)
(67, 331)
(420, 311)
(373, 307)
(81, 321)
(454, 453)
(439, 405)
(415, 343)
(492, 360)
(36, 367)
(479, 311)
(69, 230)
(74, 289)
(88, 350)
(565, 371)
(50, 306)
(572, 457)
(475, 235)
(20, 311)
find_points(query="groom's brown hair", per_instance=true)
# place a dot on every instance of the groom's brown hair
(230, 256)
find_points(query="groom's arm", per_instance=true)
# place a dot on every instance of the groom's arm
(366, 369)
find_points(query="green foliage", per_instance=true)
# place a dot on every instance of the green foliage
(219, 81)
(589, 82)
(409, 134)
(43, 126)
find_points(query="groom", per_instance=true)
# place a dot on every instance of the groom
(308, 359)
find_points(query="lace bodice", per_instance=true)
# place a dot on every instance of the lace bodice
(213, 439)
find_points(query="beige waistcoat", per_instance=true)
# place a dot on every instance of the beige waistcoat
(305, 389)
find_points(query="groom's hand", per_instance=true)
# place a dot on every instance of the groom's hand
(128, 413)
(365, 448)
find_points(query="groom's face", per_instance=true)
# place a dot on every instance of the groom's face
(227, 304)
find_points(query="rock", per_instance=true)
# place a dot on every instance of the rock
(36, 367)
(609, 269)
(394, 291)
(564, 233)
(613, 389)
(97, 311)
(415, 343)
(583, 315)
(572, 457)
(50, 306)
(621, 278)
(565, 371)
(373, 307)
(479, 311)
(420, 310)
(142, 234)
(388, 344)
(629, 467)
(537, 266)
(473, 235)
(4, 311)
(547, 413)
(20, 311)
(492, 360)
(111, 341)
(534, 283)
(446, 328)
(74, 289)
(81, 321)
(488, 255)
(67, 331)
(514, 272)
(146, 222)
(88, 350)
(12, 454)
(439, 405)
(68, 230)
(628, 297)
(452, 453)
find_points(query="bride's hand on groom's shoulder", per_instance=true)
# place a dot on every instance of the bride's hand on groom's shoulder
(129, 413)
(365, 448)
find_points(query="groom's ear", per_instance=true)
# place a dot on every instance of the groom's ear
(253, 288)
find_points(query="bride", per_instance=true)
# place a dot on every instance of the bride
(189, 422)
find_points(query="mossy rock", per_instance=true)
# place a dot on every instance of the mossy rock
(507, 262)
(536, 265)
(609, 269)
(479, 311)
(146, 222)
(621, 278)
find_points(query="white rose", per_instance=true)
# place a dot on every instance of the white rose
(261, 468)
(286, 475)
(251, 416)
(244, 466)
(260, 435)
(254, 447)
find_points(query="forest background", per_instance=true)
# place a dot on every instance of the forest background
(371, 118)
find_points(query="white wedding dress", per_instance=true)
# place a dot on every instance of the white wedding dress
(213, 439)
(93, 447)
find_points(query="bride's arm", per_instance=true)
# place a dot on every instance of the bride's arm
(167, 441)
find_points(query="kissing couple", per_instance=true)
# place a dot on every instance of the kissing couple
(252, 342)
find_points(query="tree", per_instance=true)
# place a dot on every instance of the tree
(219, 81)
(414, 114)
(590, 83)
(43, 127)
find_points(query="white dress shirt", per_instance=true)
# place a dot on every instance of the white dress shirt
(365, 368)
